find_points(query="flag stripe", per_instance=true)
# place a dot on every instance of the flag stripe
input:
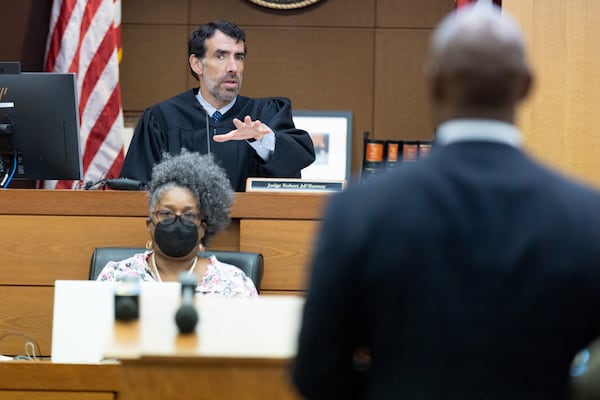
(97, 65)
(84, 25)
(58, 27)
(103, 125)
(85, 39)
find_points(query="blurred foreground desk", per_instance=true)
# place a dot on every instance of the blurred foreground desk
(240, 351)
(148, 378)
(43, 380)
(200, 378)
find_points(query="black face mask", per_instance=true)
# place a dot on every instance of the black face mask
(175, 239)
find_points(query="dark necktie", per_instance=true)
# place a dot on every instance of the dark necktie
(216, 116)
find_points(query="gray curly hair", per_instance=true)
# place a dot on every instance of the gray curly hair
(204, 178)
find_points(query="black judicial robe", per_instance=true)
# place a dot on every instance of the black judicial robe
(181, 122)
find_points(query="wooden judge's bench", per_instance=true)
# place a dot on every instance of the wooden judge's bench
(47, 235)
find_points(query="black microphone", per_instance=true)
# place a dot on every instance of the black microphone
(91, 185)
(186, 316)
(127, 298)
(199, 107)
(124, 184)
(6, 129)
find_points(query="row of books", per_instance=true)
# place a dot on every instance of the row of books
(381, 155)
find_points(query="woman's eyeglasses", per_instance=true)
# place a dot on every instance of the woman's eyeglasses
(167, 217)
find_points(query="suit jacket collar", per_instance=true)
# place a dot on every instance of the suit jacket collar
(480, 130)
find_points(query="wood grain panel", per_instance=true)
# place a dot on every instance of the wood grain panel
(135, 204)
(44, 375)
(154, 65)
(61, 247)
(272, 205)
(24, 31)
(37, 395)
(228, 240)
(155, 12)
(25, 310)
(74, 202)
(402, 110)
(226, 379)
(324, 69)
(346, 13)
(560, 120)
(286, 247)
(412, 14)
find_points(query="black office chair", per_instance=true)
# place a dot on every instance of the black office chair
(251, 263)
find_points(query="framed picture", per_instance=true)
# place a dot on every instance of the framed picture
(331, 133)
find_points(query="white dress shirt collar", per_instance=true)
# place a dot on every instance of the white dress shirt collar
(488, 130)
(209, 108)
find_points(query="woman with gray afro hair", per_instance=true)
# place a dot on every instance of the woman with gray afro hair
(190, 200)
(205, 179)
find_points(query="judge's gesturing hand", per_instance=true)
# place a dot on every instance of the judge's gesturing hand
(246, 130)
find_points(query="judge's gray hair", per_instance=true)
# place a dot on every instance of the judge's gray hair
(206, 180)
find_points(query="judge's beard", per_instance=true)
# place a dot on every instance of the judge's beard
(223, 95)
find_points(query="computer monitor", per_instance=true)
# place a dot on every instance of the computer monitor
(10, 67)
(39, 127)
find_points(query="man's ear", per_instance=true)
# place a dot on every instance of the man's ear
(436, 88)
(196, 64)
(526, 85)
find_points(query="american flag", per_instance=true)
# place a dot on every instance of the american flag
(85, 38)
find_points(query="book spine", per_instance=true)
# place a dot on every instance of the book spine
(373, 158)
(393, 153)
(424, 148)
(410, 151)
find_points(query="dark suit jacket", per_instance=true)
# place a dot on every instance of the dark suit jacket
(471, 274)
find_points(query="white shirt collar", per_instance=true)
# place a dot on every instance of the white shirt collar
(488, 130)
(209, 108)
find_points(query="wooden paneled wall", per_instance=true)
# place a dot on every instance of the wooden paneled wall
(560, 121)
(365, 56)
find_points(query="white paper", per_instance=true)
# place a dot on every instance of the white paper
(83, 320)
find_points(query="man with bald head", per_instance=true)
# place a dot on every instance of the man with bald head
(473, 273)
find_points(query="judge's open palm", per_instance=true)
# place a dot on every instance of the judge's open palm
(246, 129)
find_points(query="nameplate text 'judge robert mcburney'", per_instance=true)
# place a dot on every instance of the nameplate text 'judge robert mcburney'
(293, 185)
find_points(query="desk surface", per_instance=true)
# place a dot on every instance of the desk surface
(262, 328)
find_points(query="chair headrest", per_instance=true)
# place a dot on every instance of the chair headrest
(252, 264)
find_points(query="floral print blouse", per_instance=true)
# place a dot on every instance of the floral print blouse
(220, 279)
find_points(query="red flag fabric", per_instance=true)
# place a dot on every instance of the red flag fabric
(85, 38)
(460, 3)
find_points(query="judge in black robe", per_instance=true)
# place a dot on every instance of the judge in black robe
(181, 122)
(253, 138)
